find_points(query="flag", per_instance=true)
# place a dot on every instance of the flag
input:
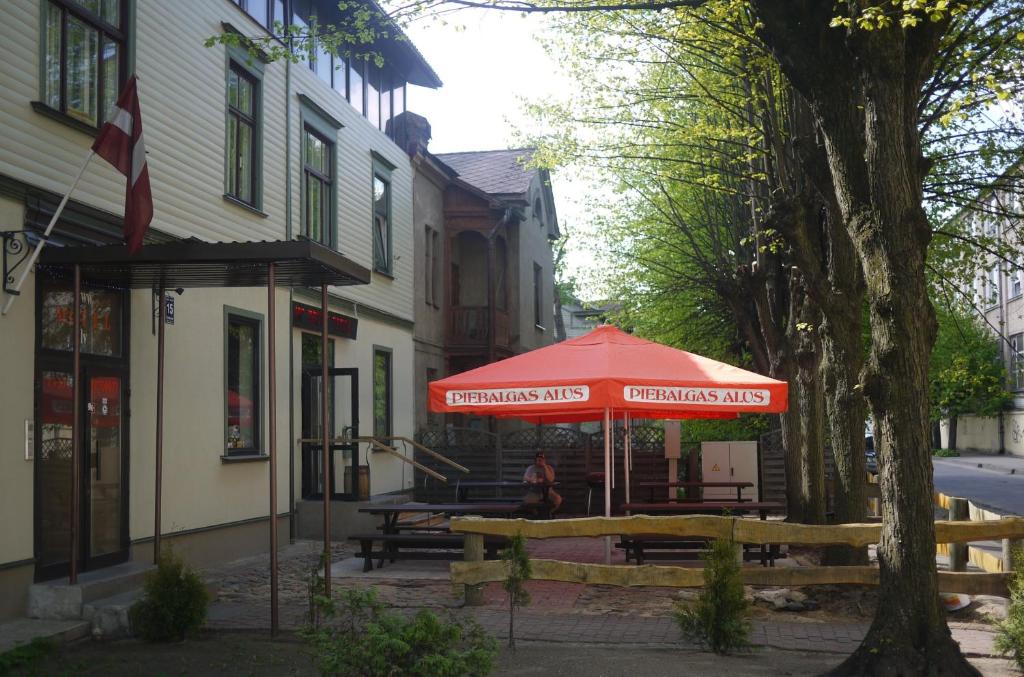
(120, 143)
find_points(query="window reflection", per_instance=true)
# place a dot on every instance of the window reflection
(100, 321)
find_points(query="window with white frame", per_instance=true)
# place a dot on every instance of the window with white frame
(1016, 278)
(1016, 362)
(992, 287)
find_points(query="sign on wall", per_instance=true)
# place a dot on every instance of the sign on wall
(310, 318)
(169, 309)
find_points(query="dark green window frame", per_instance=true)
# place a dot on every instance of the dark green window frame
(382, 216)
(240, 317)
(320, 125)
(383, 392)
(242, 68)
(59, 20)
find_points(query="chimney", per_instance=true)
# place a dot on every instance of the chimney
(411, 132)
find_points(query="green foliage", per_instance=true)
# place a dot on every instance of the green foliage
(945, 453)
(744, 428)
(517, 572)
(360, 638)
(965, 370)
(24, 659)
(173, 604)
(718, 619)
(1010, 637)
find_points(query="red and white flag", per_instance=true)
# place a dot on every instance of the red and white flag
(120, 143)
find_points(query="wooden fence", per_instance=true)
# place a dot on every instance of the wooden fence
(474, 571)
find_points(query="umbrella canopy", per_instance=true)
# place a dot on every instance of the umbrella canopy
(579, 379)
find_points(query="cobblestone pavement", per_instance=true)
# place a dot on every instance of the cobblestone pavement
(559, 612)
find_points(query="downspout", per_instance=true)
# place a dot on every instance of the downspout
(291, 296)
(1004, 343)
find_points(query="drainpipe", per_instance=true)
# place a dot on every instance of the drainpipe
(291, 297)
(1004, 343)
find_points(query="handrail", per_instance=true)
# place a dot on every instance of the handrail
(380, 445)
(738, 529)
(429, 451)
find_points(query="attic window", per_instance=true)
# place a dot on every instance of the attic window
(538, 212)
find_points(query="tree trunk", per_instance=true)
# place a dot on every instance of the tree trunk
(864, 88)
(841, 362)
(810, 411)
(951, 441)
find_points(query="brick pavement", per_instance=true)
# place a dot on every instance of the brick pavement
(559, 612)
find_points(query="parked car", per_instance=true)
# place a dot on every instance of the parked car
(870, 459)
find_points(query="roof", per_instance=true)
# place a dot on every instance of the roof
(195, 263)
(496, 172)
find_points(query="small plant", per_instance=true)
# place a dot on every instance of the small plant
(945, 453)
(718, 619)
(518, 571)
(173, 604)
(358, 637)
(1010, 637)
(25, 658)
(680, 493)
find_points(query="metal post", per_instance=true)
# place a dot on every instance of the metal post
(158, 490)
(272, 427)
(325, 449)
(627, 447)
(76, 428)
(607, 482)
(958, 512)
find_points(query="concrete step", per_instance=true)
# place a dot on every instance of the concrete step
(58, 600)
(23, 630)
(109, 616)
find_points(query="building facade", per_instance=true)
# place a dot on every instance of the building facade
(485, 223)
(998, 299)
(239, 149)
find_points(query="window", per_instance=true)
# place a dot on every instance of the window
(83, 58)
(243, 130)
(318, 173)
(992, 287)
(382, 221)
(373, 95)
(432, 250)
(381, 393)
(323, 64)
(242, 391)
(1016, 276)
(1017, 362)
(538, 212)
(356, 92)
(312, 350)
(263, 12)
(538, 295)
(340, 76)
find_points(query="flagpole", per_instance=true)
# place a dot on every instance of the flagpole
(46, 233)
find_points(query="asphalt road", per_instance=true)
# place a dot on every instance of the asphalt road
(997, 489)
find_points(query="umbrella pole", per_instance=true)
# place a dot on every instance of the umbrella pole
(607, 483)
(627, 447)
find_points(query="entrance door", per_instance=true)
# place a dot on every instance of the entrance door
(343, 423)
(103, 471)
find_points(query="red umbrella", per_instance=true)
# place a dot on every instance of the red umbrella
(608, 374)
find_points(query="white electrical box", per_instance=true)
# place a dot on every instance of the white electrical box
(729, 462)
(673, 435)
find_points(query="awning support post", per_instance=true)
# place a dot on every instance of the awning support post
(158, 489)
(607, 482)
(627, 446)
(76, 429)
(325, 448)
(272, 429)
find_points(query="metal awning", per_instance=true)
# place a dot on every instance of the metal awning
(195, 263)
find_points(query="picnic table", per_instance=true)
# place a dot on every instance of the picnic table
(639, 544)
(464, 488)
(654, 486)
(428, 543)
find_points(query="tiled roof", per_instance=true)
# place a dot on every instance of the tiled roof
(497, 172)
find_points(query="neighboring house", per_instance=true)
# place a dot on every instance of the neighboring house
(998, 298)
(238, 150)
(579, 319)
(484, 225)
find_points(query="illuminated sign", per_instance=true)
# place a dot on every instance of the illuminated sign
(310, 318)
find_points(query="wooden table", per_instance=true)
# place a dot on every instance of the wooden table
(391, 511)
(654, 486)
(462, 488)
(763, 508)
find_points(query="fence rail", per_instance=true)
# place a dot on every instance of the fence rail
(474, 572)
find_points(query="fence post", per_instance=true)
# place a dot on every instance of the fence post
(958, 512)
(474, 552)
(1010, 546)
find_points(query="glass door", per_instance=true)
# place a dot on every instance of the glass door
(53, 471)
(343, 426)
(106, 469)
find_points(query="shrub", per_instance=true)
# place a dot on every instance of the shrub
(173, 604)
(945, 453)
(518, 571)
(718, 619)
(25, 658)
(1010, 637)
(358, 637)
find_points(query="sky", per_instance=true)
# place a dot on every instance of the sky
(488, 68)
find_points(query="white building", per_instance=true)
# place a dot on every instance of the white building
(238, 150)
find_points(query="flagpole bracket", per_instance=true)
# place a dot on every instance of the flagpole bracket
(16, 249)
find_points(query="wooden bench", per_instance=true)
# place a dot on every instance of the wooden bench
(642, 547)
(441, 545)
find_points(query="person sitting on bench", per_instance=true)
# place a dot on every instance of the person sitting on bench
(540, 476)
